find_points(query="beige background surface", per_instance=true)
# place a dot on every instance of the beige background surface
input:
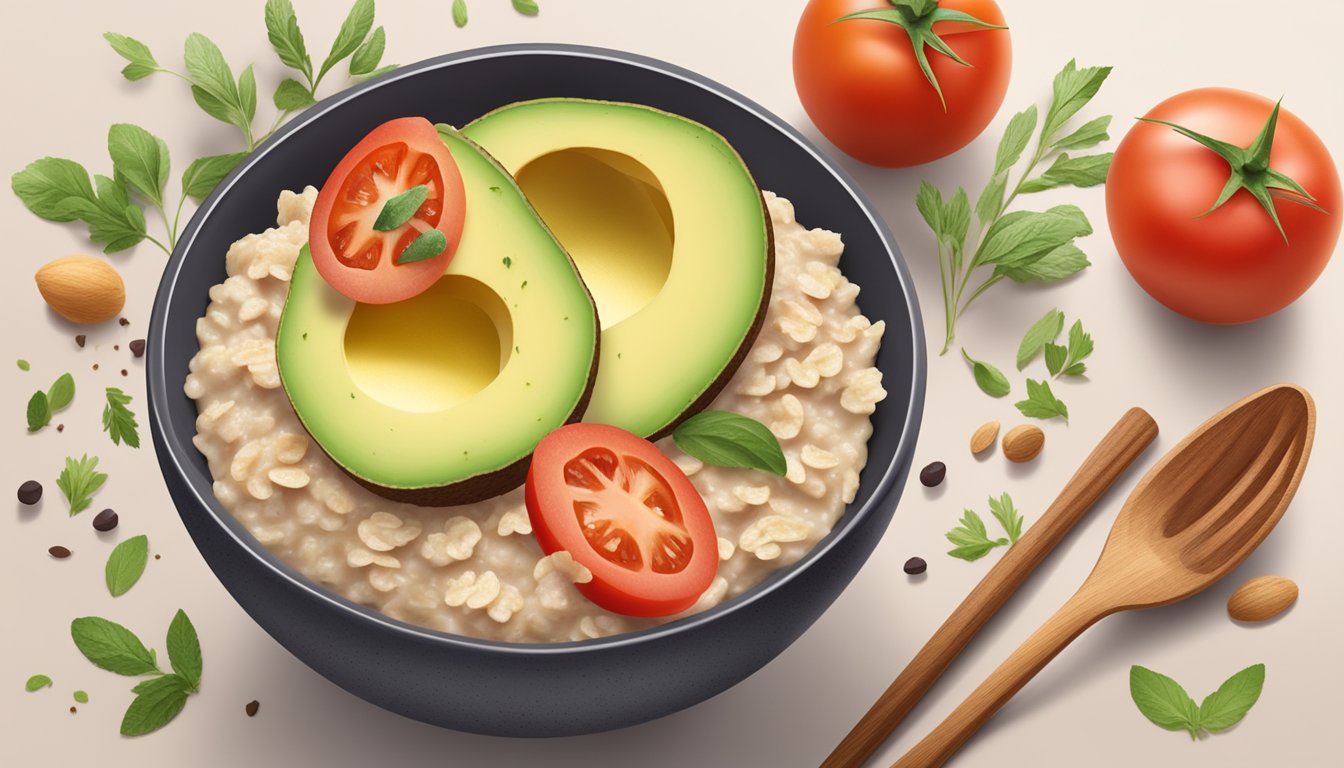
(62, 90)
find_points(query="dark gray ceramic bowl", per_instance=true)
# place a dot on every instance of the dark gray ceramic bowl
(516, 689)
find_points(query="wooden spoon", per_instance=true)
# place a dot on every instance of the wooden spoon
(1193, 518)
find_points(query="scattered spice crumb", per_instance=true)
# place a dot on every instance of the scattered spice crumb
(915, 566)
(95, 366)
(60, 427)
(124, 322)
(73, 710)
(116, 347)
(252, 707)
(158, 557)
(123, 371)
(30, 492)
(79, 341)
(58, 552)
(138, 347)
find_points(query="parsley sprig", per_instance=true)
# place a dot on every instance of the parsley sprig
(971, 538)
(79, 481)
(118, 420)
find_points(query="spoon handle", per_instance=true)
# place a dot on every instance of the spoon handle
(1016, 671)
(1130, 436)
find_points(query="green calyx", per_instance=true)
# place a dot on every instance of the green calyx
(1251, 171)
(917, 18)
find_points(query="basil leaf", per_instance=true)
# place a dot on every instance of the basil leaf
(60, 394)
(111, 646)
(401, 208)
(142, 63)
(1073, 88)
(1090, 134)
(990, 379)
(1086, 171)
(282, 29)
(726, 439)
(204, 174)
(1163, 701)
(368, 55)
(140, 158)
(1055, 358)
(1041, 403)
(1226, 706)
(460, 13)
(429, 244)
(126, 564)
(526, 7)
(1065, 261)
(157, 702)
(352, 33)
(39, 412)
(184, 650)
(1015, 139)
(47, 186)
(36, 682)
(1043, 331)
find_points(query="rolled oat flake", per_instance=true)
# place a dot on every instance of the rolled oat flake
(105, 520)
(30, 492)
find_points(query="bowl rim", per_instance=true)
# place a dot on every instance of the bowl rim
(199, 484)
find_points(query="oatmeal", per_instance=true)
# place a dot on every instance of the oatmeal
(476, 569)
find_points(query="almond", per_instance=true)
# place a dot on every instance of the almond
(82, 289)
(1262, 598)
(984, 437)
(1023, 443)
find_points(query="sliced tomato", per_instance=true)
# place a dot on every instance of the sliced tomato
(362, 262)
(625, 512)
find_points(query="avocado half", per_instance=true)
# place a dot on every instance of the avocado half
(670, 233)
(440, 399)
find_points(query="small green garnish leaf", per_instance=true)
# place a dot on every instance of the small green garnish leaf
(61, 393)
(118, 420)
(507, 262)
(1166, 704)
(291, 95)
(156, 703)
(971, 540)
(23, 364)
(39, 412)
(401, 208)
(79, 481)
(1041, 403)
(990, 379)
(1003, 510)
(352, 34)
(726, 439)
(59, 190)
(367, 56)
(142, 63)
(1042, 332)
(141, 159)
(126, 564)
(112, 647)
(526, 7)
(282, 29)
(1086, 171)
(184, 650)
(1072, 89)
(1226, 706)
(82, 697)
(460, 13)
(429, 244)
(36, 682)
(205, 173)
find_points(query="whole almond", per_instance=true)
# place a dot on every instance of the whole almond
(1262, 598)
(984, 437)
(82, 289)
(1023, 443)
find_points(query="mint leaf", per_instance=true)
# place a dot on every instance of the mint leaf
(1163, 701)
(36, 682)
(39, 411)
(1003, 510)
(60, 394)
(990, 203)
(112, 647)
(142, 63)
(184, 650)
(401, 208)
(367, 56)
(990, 379)
(1014, 141)
(1226, 706)
(204, 174)
(725, 439)
(1024, 236)
(140, 158)
(1057, 264)
(429, 244)
(47, 186)
(1041, 403)
(212, 83)
(157, 702)
(247, 95)
(1086, 171)
(352, 33)
(1042, 332)
(970, 538)
(126, 564)
(118, 420)
(1072, 90)
(282, 29)
(957, 221)
(460, 13)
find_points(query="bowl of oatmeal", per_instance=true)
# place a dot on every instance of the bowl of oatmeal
(454, 615)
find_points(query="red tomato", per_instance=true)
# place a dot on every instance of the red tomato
(349, 253)
(862, 86)
(625, 512)
(1232, 265)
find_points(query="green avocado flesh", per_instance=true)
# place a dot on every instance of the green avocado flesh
(440, 399)
(670, 234)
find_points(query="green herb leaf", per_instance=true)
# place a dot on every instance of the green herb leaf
(990, 204)
(1057, 264)
(1042, 332)
(212, 83)
(957, 220)
(970, 538)
(429, 244)
(1024, 236)
(990, 379)
(79, 481)
(140, 158)
(113, 221)
(368, 55)
(23, 364)
(39, 412)
(1015, 139)
(1055, 358)
(1003, 510)
(1041, 403)
(82, 697)
(383, 70)
(291, 95)
(929, 202)
(352, 33)
(47, 186)
(1073, 89)
(112, 647)
(184, 650)
(204, 174)
(282, 29)
(1226, 706)
(126, 564)
(36, 682)
(1090, 134)
(118, 420)
(1086, 171)
(247, 94)
(1163, 701)
(526, 7)
(401, 208)
(1080, 347)
(460, 13)
(60, 394)
(142, 63)
(725, 439)
(156, 703)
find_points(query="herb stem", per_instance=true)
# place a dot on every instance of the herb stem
(167, 251)
(168, 227)
(174, 73)
(177, 218)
